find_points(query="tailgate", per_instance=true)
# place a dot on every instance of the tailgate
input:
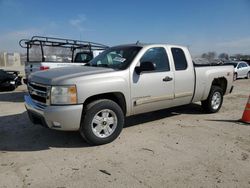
(31, 67)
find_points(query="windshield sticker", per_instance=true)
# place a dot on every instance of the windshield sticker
(119, 59)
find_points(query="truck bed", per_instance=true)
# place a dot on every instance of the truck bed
(204, 76)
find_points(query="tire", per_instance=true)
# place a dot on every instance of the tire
(102, 122)
(248, 75)
(214, 100)
(235, 76)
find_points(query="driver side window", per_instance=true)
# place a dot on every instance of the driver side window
(157, 56)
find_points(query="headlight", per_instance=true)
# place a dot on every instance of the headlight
(63, 95)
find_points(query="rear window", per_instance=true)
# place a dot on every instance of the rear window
(180, 60)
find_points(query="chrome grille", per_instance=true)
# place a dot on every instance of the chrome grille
(39, 93)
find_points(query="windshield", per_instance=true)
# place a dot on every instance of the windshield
(117, 58)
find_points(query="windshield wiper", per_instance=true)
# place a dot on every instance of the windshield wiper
(87, 64)
(103, 65)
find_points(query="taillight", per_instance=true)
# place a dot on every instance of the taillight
(44, 68)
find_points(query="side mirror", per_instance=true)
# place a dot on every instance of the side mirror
(145, 66)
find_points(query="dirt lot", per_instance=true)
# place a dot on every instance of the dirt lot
(180, 147)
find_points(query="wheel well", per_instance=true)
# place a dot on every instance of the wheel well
(221, 82)
(116, 97)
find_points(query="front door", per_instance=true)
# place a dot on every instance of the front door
(153, 90)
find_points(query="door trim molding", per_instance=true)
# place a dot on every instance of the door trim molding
(147, 100)
(184, 94)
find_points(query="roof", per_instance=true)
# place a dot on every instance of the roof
(146, 45)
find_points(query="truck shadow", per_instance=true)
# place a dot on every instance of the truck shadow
(12, 96)
(161, 114)
(17, 133)
(225, 120)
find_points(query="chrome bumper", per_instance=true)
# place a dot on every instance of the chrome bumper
(65, 118)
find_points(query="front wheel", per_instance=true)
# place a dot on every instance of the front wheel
(214, 100)
(102, 122)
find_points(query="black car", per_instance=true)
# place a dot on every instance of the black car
(9, 80)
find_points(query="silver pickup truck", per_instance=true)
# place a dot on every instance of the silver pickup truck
(123, 81)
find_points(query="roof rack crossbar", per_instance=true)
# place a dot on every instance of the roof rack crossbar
(65, 43)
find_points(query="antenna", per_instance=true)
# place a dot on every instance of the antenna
(137, 42)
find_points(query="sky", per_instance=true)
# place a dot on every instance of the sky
(202, 25)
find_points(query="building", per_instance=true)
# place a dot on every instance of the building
(10, 59)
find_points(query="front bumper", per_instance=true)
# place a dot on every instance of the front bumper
(65, 118)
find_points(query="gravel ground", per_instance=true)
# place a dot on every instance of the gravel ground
(179, 147)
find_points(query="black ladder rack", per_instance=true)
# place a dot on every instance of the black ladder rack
(59, 42)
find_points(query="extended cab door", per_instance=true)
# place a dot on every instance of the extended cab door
(184, 76)
(153, 90)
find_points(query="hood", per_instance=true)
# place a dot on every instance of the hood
(58, 75)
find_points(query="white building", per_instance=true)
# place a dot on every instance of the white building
(9, 59)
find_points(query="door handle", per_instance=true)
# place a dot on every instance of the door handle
(167, 79)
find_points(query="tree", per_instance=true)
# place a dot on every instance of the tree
(210, 55)
(204, 55)
(224, 56)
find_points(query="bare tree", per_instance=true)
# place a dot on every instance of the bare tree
(224, 56)
(210, 55)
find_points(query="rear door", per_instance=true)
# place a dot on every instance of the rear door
(184, 76)
(153, 90)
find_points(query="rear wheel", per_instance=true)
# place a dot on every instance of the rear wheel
(248, 75)
(102, 122)
(214, 100)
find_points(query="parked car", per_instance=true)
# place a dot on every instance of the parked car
(122, 81)
(241, 69)
(46, 53)
(9, 80)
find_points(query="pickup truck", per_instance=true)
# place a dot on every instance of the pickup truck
(48, 53)
(122, 81)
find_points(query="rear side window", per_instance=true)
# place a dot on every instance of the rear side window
(180, 60)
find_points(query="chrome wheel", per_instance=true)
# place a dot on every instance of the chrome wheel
(216, 100)
(104, 123)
